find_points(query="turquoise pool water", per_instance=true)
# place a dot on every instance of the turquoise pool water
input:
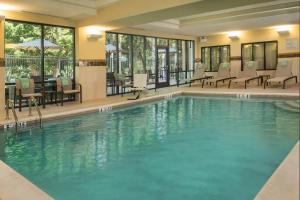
(186, 148)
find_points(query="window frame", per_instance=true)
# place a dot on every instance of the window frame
(42, 25)
(252, 53)
(156, 44)
(210, 54)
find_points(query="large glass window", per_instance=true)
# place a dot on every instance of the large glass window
(265, 53)
(139, 64)
(58, 52)
(22, 60)
(124, 55)
(213, 56)
(150, 61)
(23, 51)
(129, 54)
(40, 52)
(190, 59)
(111, 52)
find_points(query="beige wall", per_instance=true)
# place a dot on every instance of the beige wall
(93, 81)
(267, 34)
(89, 48)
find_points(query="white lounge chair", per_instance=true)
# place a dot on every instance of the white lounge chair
(283, 73)
(248, 74)
(222, 75)
(199, 75)
(139, 84)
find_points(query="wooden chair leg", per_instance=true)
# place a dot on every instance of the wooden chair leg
(55, 97)
(20, 104)
(229, 83)
(265, 84)
(61, 98)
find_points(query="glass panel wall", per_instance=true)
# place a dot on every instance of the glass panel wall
(26, 44)
(22, 60)
(137, 54)
(173, 61)
(213, 56)
(190, 58)
(265, 53)
(124, 64)
(150, 61)
(205, 57)
(258, 55)
(246, 53)
(58, 52)
(139, 64)
(182, 61)
(111, 52)
(271, 55)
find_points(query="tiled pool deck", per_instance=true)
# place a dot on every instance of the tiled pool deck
(283, 184)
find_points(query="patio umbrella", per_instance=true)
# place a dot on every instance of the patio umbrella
(110, 47)
(36, 44)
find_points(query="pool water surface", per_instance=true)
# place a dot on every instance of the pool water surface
(185, 148)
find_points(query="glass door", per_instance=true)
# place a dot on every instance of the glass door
(162, 67)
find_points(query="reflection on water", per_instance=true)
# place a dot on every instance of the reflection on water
(102, 144)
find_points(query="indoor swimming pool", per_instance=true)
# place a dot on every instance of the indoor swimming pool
(188, 147)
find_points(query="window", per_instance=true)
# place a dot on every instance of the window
(111, 52)
(124, 65)
(24, 53)
(213, 56)
(128, 54)
(265, 53)
(59, 57)
(20, 61)
(139, 64)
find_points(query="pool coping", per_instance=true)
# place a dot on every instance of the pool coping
(14, 186)
(9, 175)
(279, 188)
(92, 109)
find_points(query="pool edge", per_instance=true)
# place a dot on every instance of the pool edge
(14, 186)
(284, 182)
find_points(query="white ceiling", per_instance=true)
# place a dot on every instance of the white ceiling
(210, 17)
(70, 9)
(241, 18)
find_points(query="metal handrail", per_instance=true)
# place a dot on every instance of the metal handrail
(33, 100)
(10, 103)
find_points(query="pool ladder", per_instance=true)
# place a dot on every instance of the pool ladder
(31, 101)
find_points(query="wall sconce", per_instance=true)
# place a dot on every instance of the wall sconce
(283, 30)
(234, 35)
(7, 7)
(94, 33)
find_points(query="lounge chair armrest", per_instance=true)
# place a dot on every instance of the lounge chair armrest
(250, 79)
(295, 77)
(209, 77)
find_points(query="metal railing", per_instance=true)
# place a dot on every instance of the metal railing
(10, 103)
(32, 101)
(26, 66)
